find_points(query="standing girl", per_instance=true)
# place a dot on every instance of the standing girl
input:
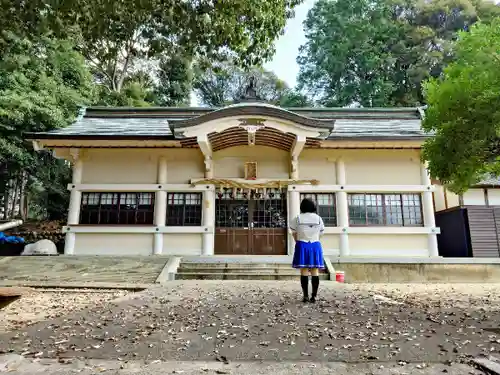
(307, 228)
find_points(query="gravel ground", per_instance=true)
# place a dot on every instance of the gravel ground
(464, 296)
(38, 305)
(264, 321)
(234, 327)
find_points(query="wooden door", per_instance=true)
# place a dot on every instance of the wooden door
(268, 226)
(232, 227)
(251, 226)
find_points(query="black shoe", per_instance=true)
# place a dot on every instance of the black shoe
(305, 299)
(313, 300)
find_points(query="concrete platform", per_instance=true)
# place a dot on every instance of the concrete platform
(419, 272)
(80, 271)
(139, 272)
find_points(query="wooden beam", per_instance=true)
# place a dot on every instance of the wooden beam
(205, 146)
(298, 146)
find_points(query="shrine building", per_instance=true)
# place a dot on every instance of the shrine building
(226, 181)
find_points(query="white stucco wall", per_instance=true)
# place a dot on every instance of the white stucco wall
(494, 197)
(474, 197)
(140, 166)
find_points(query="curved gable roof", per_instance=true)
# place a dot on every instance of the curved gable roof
(254, 110)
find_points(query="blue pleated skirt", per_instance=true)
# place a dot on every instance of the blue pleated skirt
(308, 255)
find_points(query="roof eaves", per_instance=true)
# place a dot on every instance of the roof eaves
(44, 136)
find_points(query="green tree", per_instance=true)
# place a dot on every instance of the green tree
(223, 84)
(346, 55)
(463, 111)
(42, 84)
(294, 99)
(174, 84)
(428, 31)
(115, 36)
(378, 53)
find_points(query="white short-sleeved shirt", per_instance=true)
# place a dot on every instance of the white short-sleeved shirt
(309, 227)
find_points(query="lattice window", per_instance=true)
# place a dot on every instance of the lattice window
(117, 208)
(385, 209)
(325, 203)
(184, 209)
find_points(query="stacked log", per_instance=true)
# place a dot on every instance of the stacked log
(36, 231)
(32, 237)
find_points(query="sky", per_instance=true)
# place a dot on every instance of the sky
(284, 63)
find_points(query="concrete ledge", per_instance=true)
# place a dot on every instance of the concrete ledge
(417, 260)
(419, 272)
(169, 270)
(330, 269)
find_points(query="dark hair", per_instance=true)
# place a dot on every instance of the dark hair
(307, 206)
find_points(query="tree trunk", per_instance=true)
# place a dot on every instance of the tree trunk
(6, 196)
(22, 197)
(15, 198)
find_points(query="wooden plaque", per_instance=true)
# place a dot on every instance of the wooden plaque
(250, 170)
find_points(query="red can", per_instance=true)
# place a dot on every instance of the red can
(339, 276)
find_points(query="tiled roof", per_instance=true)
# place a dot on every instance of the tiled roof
(489, 181)
(377, 128)
(371, 123)
(96, 126)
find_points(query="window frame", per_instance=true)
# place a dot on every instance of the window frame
(100, 207)
(384, 210)
(181, 222)
(329, 221)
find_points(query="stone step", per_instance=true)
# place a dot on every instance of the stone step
(241, 269)
(264, 271)
(238, 276)
(220, 265)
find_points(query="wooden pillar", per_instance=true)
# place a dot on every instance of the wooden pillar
(342, 209)
(75, 201)
(208, 213)
(209, 221)
(428, 212)
(160, 205)
(294, 196)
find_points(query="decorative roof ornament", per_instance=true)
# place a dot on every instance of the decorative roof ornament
(251, 126)
(250, 94)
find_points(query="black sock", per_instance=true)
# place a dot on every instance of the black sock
(315, 285)
(304, 282)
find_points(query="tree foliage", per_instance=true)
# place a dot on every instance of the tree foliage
(42, 84)
(223, 84)
(464, 111)
(295, 99)
(116, 36)
(174, 84)
(379, 52)
(140, 53)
